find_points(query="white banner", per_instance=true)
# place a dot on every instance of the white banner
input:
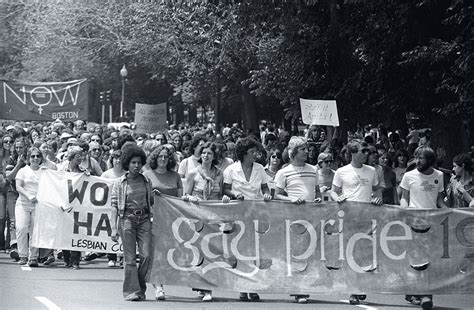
(319, 112)
(74, 213)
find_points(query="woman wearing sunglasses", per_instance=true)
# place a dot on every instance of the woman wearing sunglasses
(7, 144)
(274, 164)
(325, 175)
(27, 180)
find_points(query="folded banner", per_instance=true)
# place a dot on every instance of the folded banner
(277, 247)
(74, 213)
(44, 101)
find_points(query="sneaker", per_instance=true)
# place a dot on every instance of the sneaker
(141, 296)
(159, 294)
(254, 297)
(301, 300)
(132, 297)
(111, 263)
(207, 296)
(75, 267)
(49, 261)
(14, 255)
(243, 296)
(426, 302)
(354, 300)
(23, 261)
(33, 262)
(60, 255)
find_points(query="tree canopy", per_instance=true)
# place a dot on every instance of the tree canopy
(378, 59)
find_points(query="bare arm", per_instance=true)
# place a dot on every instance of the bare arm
(440, 203)
(336, 194)
(405, 200)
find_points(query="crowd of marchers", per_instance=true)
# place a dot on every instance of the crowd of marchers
(374, 165)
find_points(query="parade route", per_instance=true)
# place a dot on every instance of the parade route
(96, 286)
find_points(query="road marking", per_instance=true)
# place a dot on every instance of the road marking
(48, 303)
(360, 306)
(26, 268)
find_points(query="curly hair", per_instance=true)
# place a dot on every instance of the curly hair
(213, 147)
(245, 144)
(128, 153)
(463, 160)
(114, 154)
(195, 143)
(153, 157)
(73, 150)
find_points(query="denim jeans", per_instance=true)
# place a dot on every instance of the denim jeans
(11, 201)
(3, 221)
(25, 217)
(135, 229)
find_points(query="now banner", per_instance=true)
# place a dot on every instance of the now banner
(25, 101)
(74, 213)
(277, 247)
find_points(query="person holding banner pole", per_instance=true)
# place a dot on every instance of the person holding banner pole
(133, 199)
(247, 179)
(164, 180)
(298, 183)
(75, 155)
(27, 180)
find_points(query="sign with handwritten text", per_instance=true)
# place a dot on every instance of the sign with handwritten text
(150, 117)
(319, 112)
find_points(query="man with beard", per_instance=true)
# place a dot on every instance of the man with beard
(356, 182)
(422, 188)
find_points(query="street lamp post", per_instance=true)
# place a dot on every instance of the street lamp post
(123, 73)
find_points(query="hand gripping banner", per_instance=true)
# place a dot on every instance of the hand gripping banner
(277, 247)
(44, 101)
(74, 213)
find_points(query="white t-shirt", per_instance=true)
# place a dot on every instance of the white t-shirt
(356, 183)
(298, 181)
(423, 188)
(251, 189)
(30, 179)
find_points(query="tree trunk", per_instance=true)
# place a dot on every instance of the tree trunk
(249, 110)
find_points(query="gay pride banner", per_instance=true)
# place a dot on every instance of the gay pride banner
(74, 213)
(28, 101)
(256, 246)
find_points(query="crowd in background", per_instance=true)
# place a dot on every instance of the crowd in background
(198, 163)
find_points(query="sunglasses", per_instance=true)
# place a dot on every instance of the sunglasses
(95, 150)
(35, 156)
(7, 141)
(95, 140)
(274, 156)
(327, 161)
(366, 151)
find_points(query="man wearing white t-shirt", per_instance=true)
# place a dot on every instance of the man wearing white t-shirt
(298, 182)
(356, 182)
(422, 188)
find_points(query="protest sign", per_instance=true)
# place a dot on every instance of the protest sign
(319, 112)
(150, 117)
(278, 247)
(74, 213)
(24, 101)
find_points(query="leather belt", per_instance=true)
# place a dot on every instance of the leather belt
(136, 212)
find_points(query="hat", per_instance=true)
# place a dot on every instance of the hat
(10, 127)
(324, 156)
(66, 135)
(71, 140)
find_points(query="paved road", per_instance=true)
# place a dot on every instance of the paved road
(97, 286)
